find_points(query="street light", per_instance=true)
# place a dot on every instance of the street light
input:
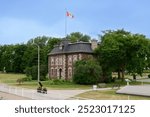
(38, 60)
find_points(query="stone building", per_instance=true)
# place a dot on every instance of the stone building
(63, 56)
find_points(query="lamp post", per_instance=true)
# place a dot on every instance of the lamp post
(38, 61)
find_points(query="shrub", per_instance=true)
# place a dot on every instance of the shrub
(106, 75)
(148, 75)
(33, 72)
(27, 78)
(28, 71)
(87, 72)
(43, 72)
(59, 82)
(19, 81)
(113, 79)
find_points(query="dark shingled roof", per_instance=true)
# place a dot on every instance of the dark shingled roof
(66, 47)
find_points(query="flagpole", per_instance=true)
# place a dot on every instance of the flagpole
(65, 23)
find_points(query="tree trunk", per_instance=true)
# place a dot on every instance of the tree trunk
(123, 75)
(119, 74)
(123, 72)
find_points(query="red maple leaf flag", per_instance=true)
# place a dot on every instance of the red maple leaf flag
(68, 14)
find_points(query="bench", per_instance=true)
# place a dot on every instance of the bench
(101, 85)
(116, 86)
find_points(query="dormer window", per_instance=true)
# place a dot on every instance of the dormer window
(60, 46)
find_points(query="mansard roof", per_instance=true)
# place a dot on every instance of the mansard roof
(66, 47)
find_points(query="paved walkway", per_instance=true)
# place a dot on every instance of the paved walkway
(61, 94)
(32, 94)
(8, 96)
(142, 90)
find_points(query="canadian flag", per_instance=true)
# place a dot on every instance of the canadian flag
(68, 14)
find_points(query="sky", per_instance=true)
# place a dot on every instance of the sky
(21, 20)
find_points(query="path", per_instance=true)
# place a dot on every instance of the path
(32, 94)
(7, 96)
(142, 90)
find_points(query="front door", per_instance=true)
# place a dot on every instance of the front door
(60, 70)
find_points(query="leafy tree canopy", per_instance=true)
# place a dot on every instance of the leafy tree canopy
(122, 51)
(77, 36)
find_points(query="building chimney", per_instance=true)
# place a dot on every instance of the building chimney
(94, 44)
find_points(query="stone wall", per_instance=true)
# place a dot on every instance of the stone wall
(61, 66)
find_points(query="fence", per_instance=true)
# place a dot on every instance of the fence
(32, 94)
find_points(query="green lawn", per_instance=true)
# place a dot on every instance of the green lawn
(109, 95)
(10, 79)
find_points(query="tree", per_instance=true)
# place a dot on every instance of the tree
(110, 53)
(7, 58)
(30, 56)
(77, 36)
(138, 54)
(120, 50)
(148, 55)
(18, 63)
(86, 72)
(33, 72)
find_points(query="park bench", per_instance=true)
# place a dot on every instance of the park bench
(101, 85)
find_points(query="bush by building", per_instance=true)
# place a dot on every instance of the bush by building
(87, 72)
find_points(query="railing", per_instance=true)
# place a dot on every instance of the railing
(28, 93)
(33, 94)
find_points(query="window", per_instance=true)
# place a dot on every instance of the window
(70, 72)
(52, 61)
(74, 58)
(56, 61)
(60, 61)
(52, 72)
(70, 61)
(55, 72)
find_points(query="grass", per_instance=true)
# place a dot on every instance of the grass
(10, 79)
(109, 95)
(34, 84)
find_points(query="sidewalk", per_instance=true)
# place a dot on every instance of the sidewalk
(8, 96)
(142, 90)
(32, 94)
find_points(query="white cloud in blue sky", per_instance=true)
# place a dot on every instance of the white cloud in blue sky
(21, 20)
